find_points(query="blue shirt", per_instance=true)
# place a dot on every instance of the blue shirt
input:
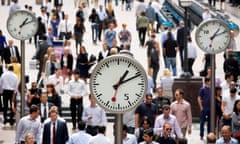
(3, 42)
(148, 110)
(205, 94)
(221, 141)
(110, 36)
(150, 13)
(79, 138)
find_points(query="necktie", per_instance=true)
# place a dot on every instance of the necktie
(45, 112)
(12, 51)
(54, 134)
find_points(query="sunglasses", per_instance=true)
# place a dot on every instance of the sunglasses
(168, 129)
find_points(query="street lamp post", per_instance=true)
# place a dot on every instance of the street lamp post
(185, 4)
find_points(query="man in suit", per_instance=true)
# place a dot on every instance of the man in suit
(180, 40)
(55, 131)
(10, 51)
(42, 50)
(44, 106)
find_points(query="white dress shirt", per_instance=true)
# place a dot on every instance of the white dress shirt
(27, 125)
(80, 137)
(192, 50)
(98, 116)
(160, 120)
(62, 26)
(99, 139)
(102, 14)
(8, 81)
(130, 139)
(77, 88)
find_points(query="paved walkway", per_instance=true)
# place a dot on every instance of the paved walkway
(7, 134)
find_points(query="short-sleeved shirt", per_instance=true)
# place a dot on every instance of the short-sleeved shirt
(205, 94)
(170, 46)
(159, 102)
(148, 110)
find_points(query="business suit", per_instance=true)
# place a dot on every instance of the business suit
(61, 133)
(180, 41)
(42, 50)
(48, 106)
(7, 54)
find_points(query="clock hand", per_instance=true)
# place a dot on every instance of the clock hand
(220, 33)
(29, 22)
(213, 36)
(116, 86)
(120, 80)
(133, 77)
(23, 23)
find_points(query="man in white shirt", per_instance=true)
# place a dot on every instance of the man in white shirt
(8, 84)
(102, 16)
(76, 90)
(65, 28)
(127, 137)
(29, 124)
(167, 117)
(100, 138)
(81, 137)
(94, 116)
(227, 106)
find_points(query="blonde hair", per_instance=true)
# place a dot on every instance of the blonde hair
(166, 73)
(28, 135)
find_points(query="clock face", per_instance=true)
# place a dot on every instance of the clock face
(213, 36)
(22, 25)
(118, 83)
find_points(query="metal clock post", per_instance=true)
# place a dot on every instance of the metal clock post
(118, 84)
(213, 36)
(22, 25)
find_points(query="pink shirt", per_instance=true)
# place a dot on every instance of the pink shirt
(182, 111)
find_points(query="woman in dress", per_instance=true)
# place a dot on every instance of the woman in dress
(82, 63)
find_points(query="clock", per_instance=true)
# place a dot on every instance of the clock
(22, 25)
(118, 83)
(213, 36)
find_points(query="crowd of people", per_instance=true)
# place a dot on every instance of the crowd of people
(163, 117)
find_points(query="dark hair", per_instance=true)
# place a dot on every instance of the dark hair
(145, 118)
(101, 129)
(124, 128)
(54, 92)
(93, 10)
(182, 141)
(169, 35)
(181, 92)
(149, 132)
(227, 75)
(235, 107)
(10, 68)
(207, 79)
(189, 39)
(33, 108)
(81, 125)
(217, 88)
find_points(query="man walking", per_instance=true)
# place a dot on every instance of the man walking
(182, 110)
